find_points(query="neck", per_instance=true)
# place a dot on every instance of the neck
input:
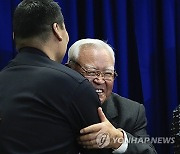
(48, 48)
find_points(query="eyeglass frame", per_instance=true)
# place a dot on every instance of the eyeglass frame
(97, 72)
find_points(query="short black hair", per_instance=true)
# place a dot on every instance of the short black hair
(34, 18)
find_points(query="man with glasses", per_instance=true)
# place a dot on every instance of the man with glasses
(126, 120)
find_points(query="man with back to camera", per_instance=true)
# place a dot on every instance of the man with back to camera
(43, 104)
(95, 60)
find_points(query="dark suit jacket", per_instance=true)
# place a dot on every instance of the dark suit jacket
(43, 106)
(129, 116)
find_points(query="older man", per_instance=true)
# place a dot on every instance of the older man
(126, 122)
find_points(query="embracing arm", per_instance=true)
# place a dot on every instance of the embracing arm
(101, 135)
(84, 113)
(114, 138)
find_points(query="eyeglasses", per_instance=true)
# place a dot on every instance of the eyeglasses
(108, 75)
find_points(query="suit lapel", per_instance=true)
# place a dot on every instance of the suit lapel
(110, 110)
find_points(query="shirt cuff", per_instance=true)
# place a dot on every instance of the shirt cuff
(123, 146)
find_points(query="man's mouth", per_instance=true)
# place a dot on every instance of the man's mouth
(99, 91)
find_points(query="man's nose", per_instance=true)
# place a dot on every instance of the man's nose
(99, 80)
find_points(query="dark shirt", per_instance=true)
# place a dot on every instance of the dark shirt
(43, 106)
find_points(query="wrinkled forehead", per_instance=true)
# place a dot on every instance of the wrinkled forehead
(94, 56)
(93, 67)
(93, 50)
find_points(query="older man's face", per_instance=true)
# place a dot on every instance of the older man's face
(97, 59)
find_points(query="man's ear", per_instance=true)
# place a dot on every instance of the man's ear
(57, 31)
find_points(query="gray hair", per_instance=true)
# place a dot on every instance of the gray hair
(73, 52)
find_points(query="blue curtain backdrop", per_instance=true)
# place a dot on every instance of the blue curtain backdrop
(145, 35)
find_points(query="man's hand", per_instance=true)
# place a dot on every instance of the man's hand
(101, 135)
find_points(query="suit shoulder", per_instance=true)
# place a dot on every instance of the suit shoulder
(126, 104)
(119, 99)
